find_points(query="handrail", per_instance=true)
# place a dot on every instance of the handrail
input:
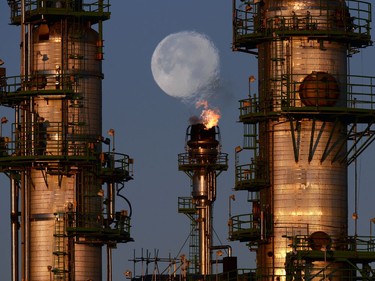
(81, 222)
(244, 222)
(353, 22)
(349, 243)
(45, 139)
(356, 93)
(32, 6)
(117, 161)
(41, 82)
(219, 159)
(185, 203)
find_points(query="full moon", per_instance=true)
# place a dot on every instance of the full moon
(185, 64)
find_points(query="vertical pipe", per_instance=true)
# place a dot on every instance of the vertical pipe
(23, 273)
(234, 11)
(28, 51)
(209, 237)
(204, 237)
(25, 227)
(15, 207)
(26, 39)
(111, 200)
(14, 227)
(109, 263)
(201, 191)
(23, 47)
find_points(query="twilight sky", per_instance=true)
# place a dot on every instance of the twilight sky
(150, 125)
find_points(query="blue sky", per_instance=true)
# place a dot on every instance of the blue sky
(150, 125)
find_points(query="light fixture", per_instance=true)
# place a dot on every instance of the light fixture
(252, 79)
(354, 216)
(111, 132)
(128, 274)
(238, 149)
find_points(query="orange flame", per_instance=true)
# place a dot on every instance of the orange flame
(210, 116)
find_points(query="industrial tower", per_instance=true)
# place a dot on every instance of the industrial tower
(309, 120)
(202, 162)
(63, 186)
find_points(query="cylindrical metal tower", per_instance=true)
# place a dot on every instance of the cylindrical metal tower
(203, 162)
(297, 130)
(308, 192)
(54, 117)
(54, 156)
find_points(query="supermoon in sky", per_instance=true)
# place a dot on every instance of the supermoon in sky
(186, 64)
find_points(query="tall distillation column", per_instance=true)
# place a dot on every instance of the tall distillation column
(54, 156)
(203, 162)
(298, 128)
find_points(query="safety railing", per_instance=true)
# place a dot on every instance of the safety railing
(342, 257)
(185, 203)
(235, 275)
(37, 82)
(19, 85)
(221, 159)
(61, 6)
(244, 227)
(298, 271)
(350, 22)
(114, 163)
(245, 173)
(358, 93)
(97, 224)
(251, 177)
(349, 243)
(46, 139)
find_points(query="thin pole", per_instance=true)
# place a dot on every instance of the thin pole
(109, 263)
(14, 228)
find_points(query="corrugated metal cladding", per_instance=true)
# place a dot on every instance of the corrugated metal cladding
(69, 51)
(306, 194)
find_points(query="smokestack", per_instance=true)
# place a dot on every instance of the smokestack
(203, 162)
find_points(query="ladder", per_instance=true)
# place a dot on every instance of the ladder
(277, 72)
(194, 248)
(60, 272)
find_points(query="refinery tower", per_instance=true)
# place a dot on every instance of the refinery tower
(309, 120)
(63, 184)
(203, 162)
